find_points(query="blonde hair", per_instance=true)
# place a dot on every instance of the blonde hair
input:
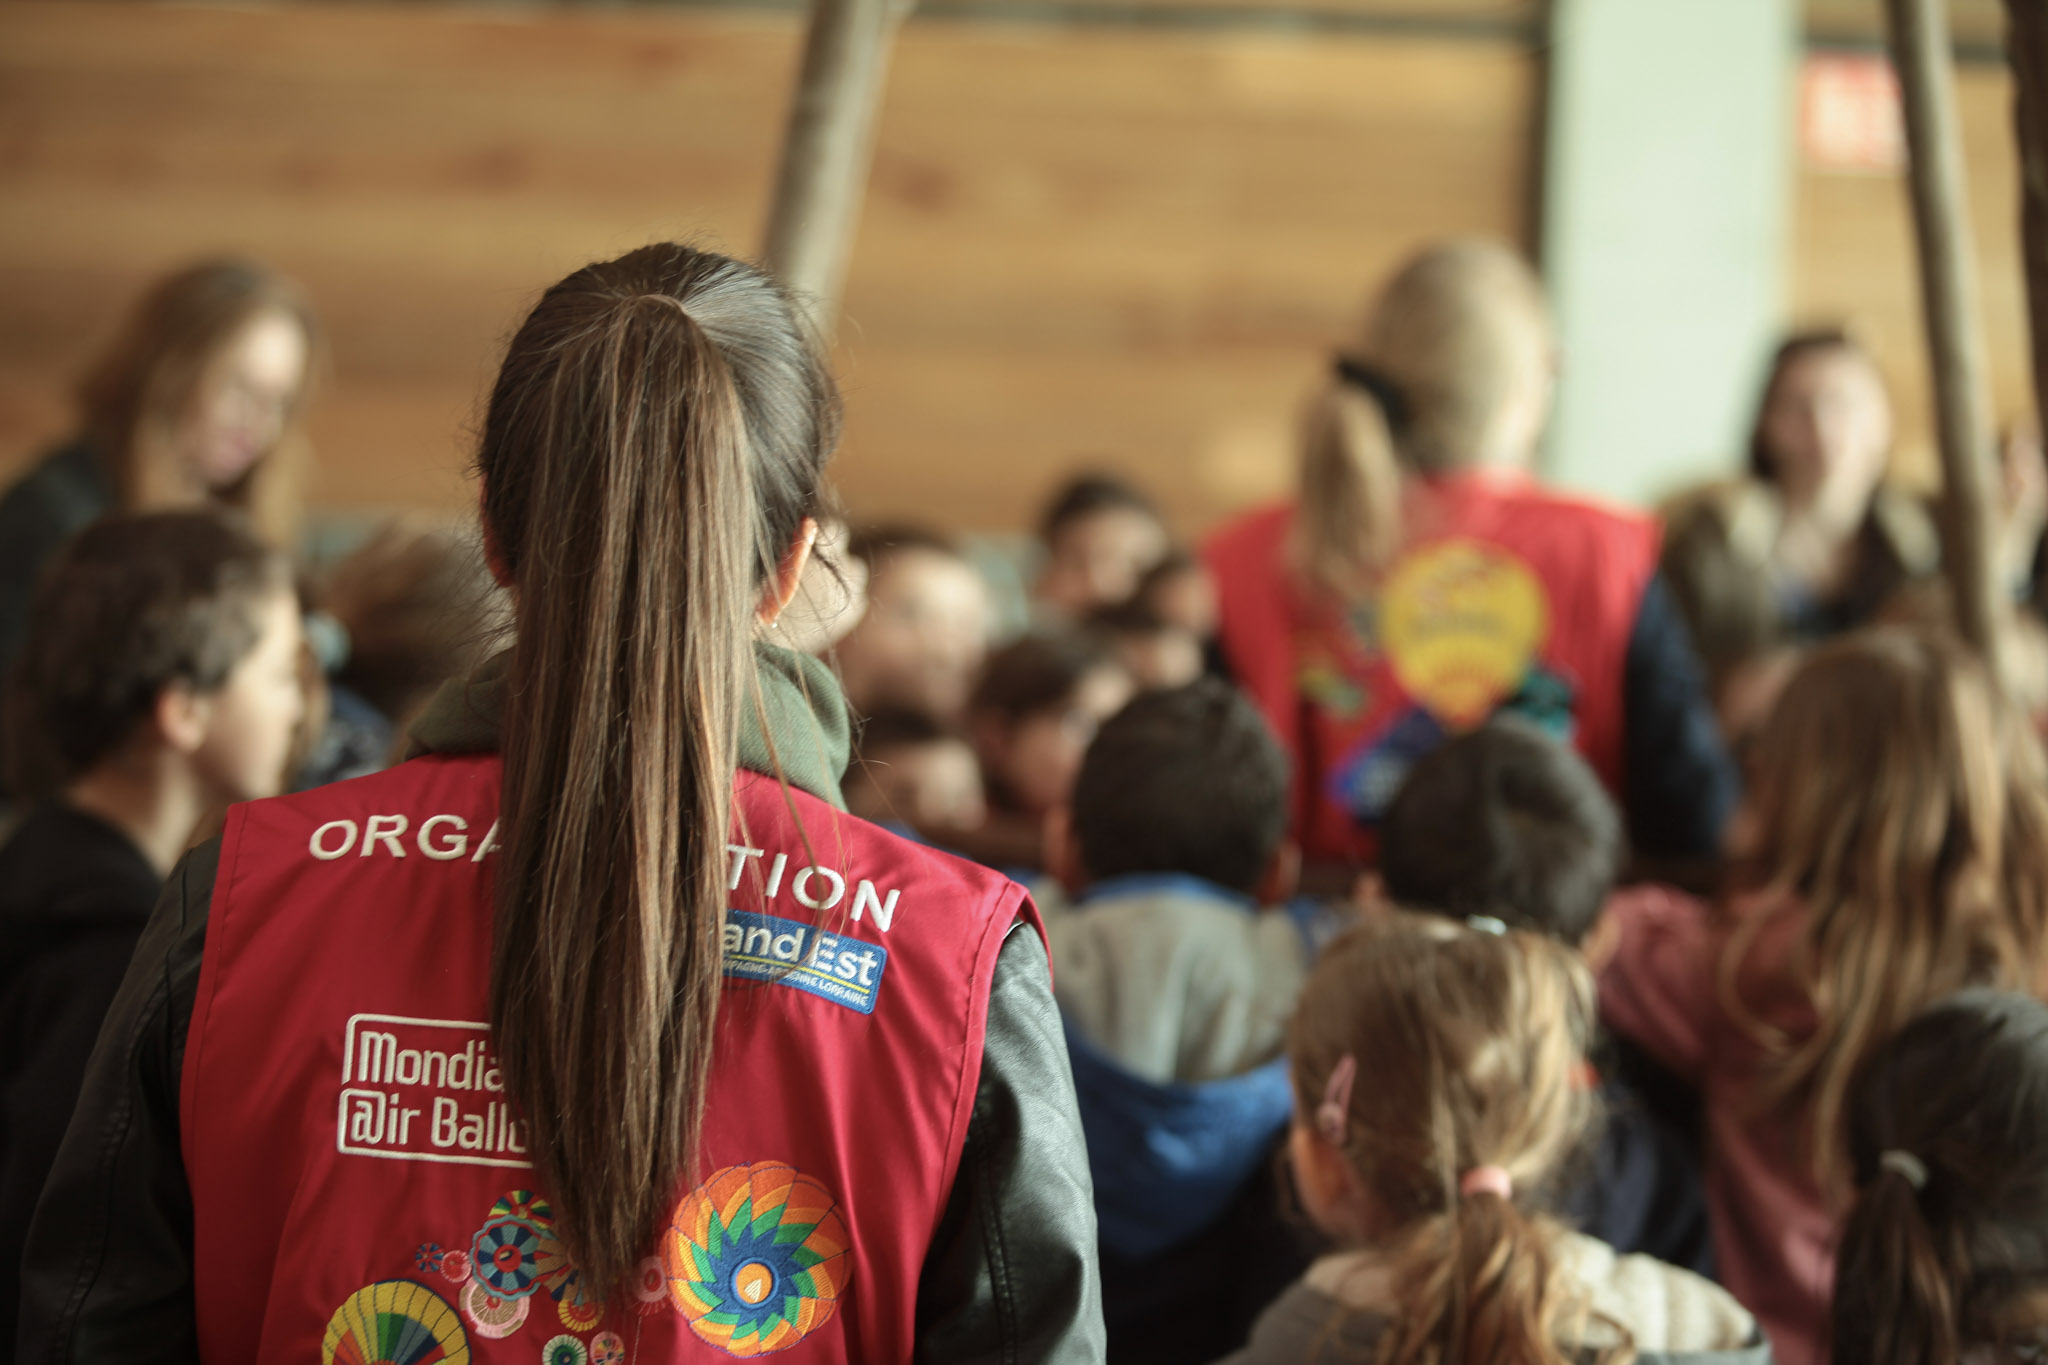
(1900, 802)
(1470, 1046)
(138, 390)
(1458, 333)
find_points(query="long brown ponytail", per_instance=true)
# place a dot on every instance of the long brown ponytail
(654, 440)
(1458, 334)
(1946, 1249)
(1469, 1047)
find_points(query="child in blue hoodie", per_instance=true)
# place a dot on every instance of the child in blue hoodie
(1176, 984)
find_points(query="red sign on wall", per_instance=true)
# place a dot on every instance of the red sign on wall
(1849, 117)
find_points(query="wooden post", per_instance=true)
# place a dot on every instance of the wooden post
(1948, 293)
(2027, 49)
(827, 148)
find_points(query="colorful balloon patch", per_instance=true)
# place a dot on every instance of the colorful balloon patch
(395, 1322)
(757, 1258)
(492, 1315)
(455, 1266)
(523, 1204)
(1461, 622)
(579, 1316)
(564, 1350)
(508, 1255)
(651, 1286)
(428, 1257)
(607, 1348)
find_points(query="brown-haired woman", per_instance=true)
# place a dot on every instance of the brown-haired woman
(1944, 1258)
(1439, 1079)
(1814, 539)
(1420, 582)
(1893, 849)
(197, 400)
(755, 1073)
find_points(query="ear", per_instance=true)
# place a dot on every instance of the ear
(1283, 874)
(1063, 851)
(789, 574)
(1369, 894)
(181, 718)
(1329, 1189)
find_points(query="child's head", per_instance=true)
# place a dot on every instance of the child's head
(925, 630)
(1188, 780)
(164, 638)
(1506, 822)
(1179, 591)
(1101, 535)
(1945, 1253)
(912, 768)
(1439, 1092)
(1035, 712)
(419, 607)
(1155, 652)
(1900, 803)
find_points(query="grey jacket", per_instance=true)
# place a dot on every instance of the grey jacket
(1337, 1313)
(1011, 1272)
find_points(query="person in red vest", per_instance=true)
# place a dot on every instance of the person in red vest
(597, 1030)
(1421, 582)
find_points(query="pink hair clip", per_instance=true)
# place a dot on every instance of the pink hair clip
(1493, 1180)
(1333, 1115)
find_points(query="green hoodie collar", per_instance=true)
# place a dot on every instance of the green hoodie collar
(800, 729)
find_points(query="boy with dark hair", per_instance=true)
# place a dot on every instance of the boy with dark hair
(1155, 652)
(1175, 986)
(158, 683)
(1504, 822)
(1101, 535)
(1505, 826)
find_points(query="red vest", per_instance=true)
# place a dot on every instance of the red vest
(1503, 597)
(359, 1180)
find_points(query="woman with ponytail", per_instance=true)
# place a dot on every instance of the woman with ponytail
(597, 1029)
(1420, 581)
(1944, 1258)
(1441, 1092)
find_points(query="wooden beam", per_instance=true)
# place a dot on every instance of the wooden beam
(827, 148)
(1948, 292)
(2027, 48)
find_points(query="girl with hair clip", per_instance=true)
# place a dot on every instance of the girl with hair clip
(1944, 1259)
(597, 1025)
(197, 400)
(1441, 1093)
(1421, 581)
(1894, 849)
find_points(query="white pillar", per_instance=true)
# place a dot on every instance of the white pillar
(1666, 230)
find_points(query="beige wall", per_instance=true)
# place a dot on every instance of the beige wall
(1125, 244)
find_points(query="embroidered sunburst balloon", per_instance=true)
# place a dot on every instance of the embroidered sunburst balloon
(757, 1258)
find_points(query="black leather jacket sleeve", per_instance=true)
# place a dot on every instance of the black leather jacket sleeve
(1011, 1276)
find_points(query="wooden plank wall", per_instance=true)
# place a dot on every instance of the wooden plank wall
(1119, 245)
(1116, 245)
